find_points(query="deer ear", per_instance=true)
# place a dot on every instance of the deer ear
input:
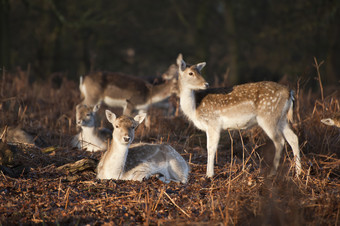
(79, 106)
(179, 58)
(96, 107)
(180, 62)
(139, 118)
(200, 66)
(171, 73)
(111, 117)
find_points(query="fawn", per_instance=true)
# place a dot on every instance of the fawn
(267, 104)
(134, 162)
(90, 137)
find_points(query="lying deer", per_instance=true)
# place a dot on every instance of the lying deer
(90, 137)
(125, 91)
(267, 104)
(12, 134)
(332, 121)
(135, 162)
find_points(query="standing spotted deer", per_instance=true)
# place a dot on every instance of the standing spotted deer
(90, 137)
(125, 91)
(266, 104)
(124, 162)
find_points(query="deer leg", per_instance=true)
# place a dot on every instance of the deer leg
(293, 141)
(177, 171)
(213, 137)
(278, 143)
(128, 108)
(139, 175)
(276, 136)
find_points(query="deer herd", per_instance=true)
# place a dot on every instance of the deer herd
(266, 104)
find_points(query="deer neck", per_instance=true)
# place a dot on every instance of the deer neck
(92, 136)
(158, 93)
(188, 103)
(87, 132)
(114, 160)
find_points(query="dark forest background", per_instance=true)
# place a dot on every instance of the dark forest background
(248, 40)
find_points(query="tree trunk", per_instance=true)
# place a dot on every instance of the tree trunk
(231, 42)
(4, 33)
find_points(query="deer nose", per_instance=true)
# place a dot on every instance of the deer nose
(127, 139)
(206, 85)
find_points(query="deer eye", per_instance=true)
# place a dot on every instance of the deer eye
(191, 73)
(117, 126)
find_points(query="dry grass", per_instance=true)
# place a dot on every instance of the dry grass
(239, 193)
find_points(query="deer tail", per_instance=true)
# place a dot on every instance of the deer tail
(290, 109)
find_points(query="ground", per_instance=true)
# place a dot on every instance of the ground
(36, 189)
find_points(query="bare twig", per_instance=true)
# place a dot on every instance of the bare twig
(147, 207)
(67, 197)
(159, 198)
(231, 160)
(243, 148)
(173, 202)
(4, 176)
(212, 201)
(4, 132)
(317, 66)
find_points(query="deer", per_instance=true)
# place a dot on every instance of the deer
(128, 92)
(90, 137)
(15, 134)
(332, 121)
(126, 161)
(266, 104)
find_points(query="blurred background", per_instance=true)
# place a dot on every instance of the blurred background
(241, 41)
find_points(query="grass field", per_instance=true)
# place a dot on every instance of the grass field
(33, 190)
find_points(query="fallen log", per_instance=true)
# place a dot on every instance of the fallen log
(79, 166)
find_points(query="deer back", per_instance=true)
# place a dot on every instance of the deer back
(261, 98)
(114, 85)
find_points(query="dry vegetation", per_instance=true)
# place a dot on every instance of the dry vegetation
(33, 189)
